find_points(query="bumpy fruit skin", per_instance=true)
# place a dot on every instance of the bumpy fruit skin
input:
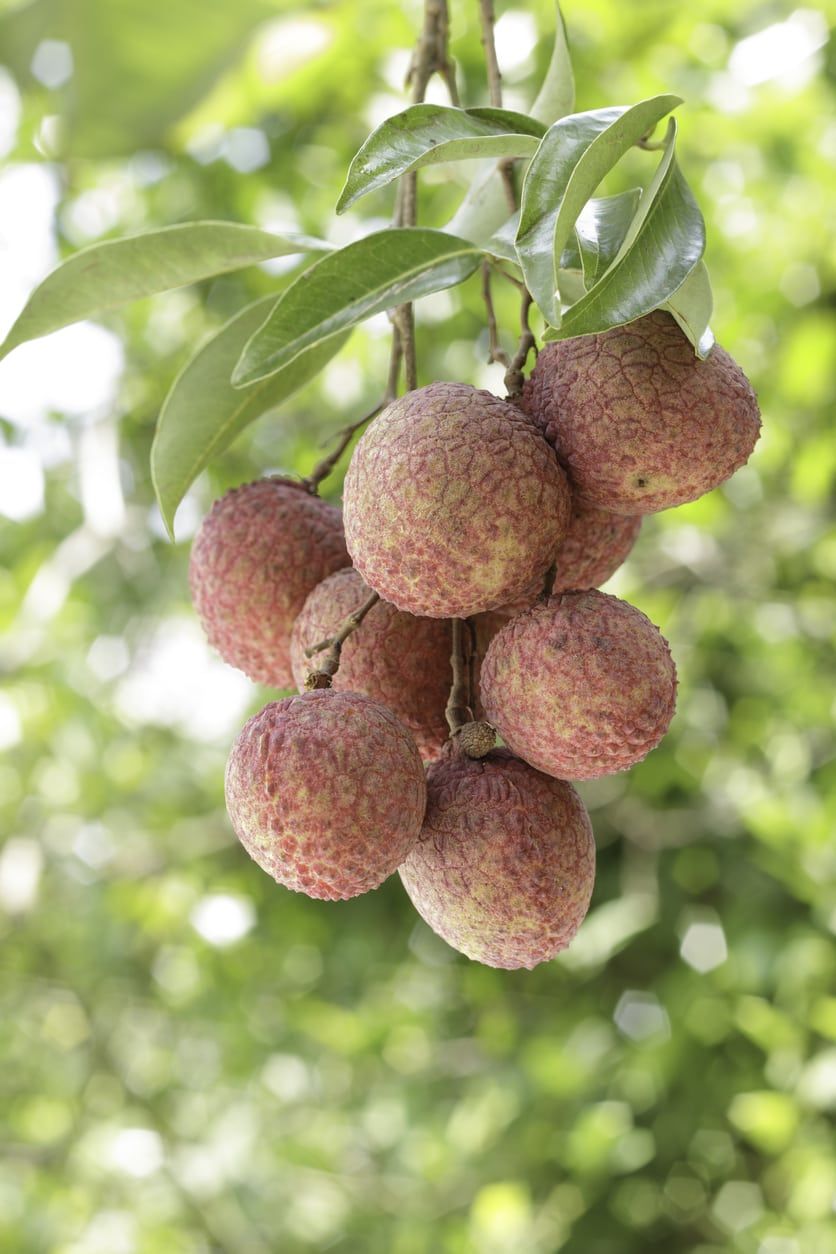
(504, 867)
(593, 548)
(395, 658)
(454, 502)
(580, 686)
(257, 555)
(638, 421)
(326, 792)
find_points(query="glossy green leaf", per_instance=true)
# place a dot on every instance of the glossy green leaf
(367, 277)
(664, 243)
(556, 96)
(692, 304)
(600, 231)
(106, 276)
(574, 156)
(203, 412)
(427, 134)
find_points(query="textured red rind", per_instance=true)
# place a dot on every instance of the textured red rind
(639, 423)
(454, 503)
(326, 792)
(505, 864)
(580, 686)
(393, 657)
(593, 548)
(257, 555)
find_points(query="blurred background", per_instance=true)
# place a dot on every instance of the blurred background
(195, 1060)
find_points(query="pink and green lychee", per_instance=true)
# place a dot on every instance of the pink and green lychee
(257, 555)
(393, 657)
(504, 866)
(637, 420)
(326, 792)
(582, 685)
(454, 502)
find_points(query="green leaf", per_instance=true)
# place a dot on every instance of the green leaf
(664, 243)
(485, 206)
(556, 96)
(427, 134)
(501, 243)
(691, 305)
(385, 269)
(111, 274)
(600, 230)
(203, 412)
(573, 157)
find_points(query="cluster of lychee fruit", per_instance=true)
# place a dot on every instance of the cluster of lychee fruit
(474, 535)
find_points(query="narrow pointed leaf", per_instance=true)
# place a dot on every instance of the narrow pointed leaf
(203, 412)
(501, 243)
(377, 273)
(573, 157)
(106, 276)
(691, 305)
(428, 134)
(605, 151)
(556, 97)
(664, 243)
(600, 230)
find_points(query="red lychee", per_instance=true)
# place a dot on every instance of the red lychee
(581, 685)
(257, 555)
(638, 421)
(326, 792)
(393, 657)
(504, 866)
(454, 503)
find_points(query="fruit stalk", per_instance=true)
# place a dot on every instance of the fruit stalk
(329, 665)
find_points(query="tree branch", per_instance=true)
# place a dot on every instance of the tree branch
(474, 738)
(514, 377)
(329, 665)
(495, 349)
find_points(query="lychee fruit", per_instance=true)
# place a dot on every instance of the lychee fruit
(393, 657)
(638, 421)
(326, 792)
(454, 502)
(581, 685)
(257, 555)
(505, 863)
(593, 548)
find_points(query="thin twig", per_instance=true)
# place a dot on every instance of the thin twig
(487, 19)
(495, 349)
(514, 377)
(458, 711)
(474, 738)
(329, 664)
(323, 468)
(486, 14)
(430, 57)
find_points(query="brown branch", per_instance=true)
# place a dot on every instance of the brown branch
(474, 738)
(487, 17)
(495, 349)
(430, 57)
(514, 377)
(458, 711)
(329, 665)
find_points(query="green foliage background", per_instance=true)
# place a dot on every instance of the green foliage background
(336, 1078)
